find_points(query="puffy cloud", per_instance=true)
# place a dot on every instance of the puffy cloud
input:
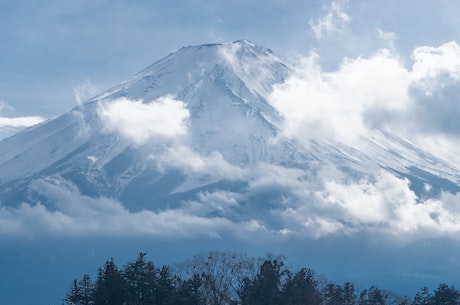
(216, 202)
(73, 214)
(369, 200)
(378, 92)
(334, 21)
(164, 118)
(435, 86)
(333, 203)
(338, 105)
(432, 62)
(385, 203)
(274, 177)
(183, 158)
(305, 206)
(69, 213)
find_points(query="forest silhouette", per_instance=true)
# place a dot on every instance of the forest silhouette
(229, 278)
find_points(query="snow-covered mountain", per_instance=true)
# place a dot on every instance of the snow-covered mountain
(192, 149)
(224, 88)
(228, 139)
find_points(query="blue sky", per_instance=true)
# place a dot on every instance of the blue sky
(51, 48)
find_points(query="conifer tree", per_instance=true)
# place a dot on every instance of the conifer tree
(302, 288)
(140, 278)
(81, 293)
(334, 295)
(110, 286)
(372, 296)
(265, 289)
(188, 292)
(422, 297)
(349, 294)
(73, 297)
(445, 295)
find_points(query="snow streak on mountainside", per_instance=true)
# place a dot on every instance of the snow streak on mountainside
(193, 145)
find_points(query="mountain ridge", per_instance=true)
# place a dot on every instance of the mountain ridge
(214, 79)
(230, 130)
(190, 155)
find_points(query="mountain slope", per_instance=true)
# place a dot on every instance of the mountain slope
(189, 155)
(232, 135)
(219, 85)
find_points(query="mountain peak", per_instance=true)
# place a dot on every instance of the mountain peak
(244, 42)
(258, 69)
(222, 87)
(248, 45)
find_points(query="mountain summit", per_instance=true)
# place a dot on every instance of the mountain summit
(223, 89)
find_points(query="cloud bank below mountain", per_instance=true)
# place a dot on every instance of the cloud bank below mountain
(323, 205)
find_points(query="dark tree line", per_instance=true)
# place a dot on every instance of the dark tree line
(232, 279)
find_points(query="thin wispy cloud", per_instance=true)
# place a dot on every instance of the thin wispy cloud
(334, 21)
(4, 106)
(388, 37)
(84, 92)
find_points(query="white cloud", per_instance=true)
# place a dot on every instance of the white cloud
(183, 158)
(388, 37)
(74, 214)
(269, 177)
(432, 62)
(334, 21)
(338, 105)
(19, 122)
(333, 203)
(213, 202)
(378, 92)
(386, 204)
(307, 206)
(369, 201)
(164, 118)
(70, 213)
(84, 91)
(10, 124)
